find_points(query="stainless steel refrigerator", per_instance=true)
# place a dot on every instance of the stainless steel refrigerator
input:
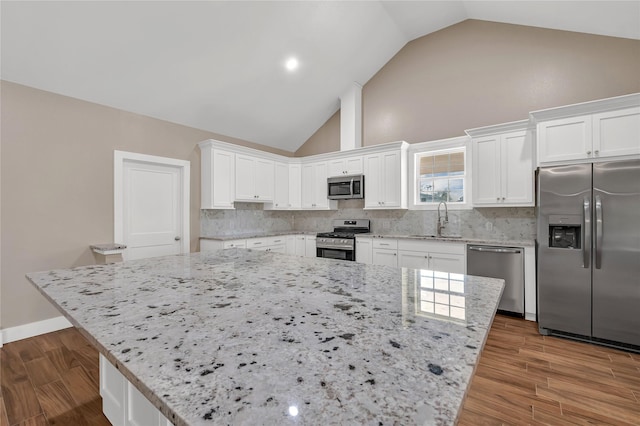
(589, 252)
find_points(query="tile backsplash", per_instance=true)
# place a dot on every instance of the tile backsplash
(485, 223)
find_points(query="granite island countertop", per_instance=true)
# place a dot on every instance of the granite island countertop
(240, 336)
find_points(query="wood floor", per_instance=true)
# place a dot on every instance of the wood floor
(527, 379)
(50, 379)
(523, 378)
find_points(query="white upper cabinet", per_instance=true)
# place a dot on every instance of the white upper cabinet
(503, 169)
(616, 133)
(588, 132)
(254, 178)
(295, 186)
(385, 175)
(346, 166)
(281, 188)
(217, 182)
(314, 187)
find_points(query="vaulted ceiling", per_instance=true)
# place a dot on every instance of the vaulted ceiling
(220, 65)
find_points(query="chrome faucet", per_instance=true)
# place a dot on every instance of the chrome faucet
(442, 223)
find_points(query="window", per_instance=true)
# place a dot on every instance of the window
(440, 176)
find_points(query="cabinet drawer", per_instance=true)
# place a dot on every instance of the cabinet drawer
(431, 246)
(258, 242)
(385, 243)
(234, 244)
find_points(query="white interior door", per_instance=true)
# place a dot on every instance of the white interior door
(152, 205)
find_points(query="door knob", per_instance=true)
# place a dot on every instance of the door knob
(177, 238)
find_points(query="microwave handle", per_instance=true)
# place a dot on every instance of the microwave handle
(351, 186)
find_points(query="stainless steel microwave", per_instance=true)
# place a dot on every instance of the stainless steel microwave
(345, 187)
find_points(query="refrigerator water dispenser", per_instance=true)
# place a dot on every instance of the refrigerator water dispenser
(565, 231)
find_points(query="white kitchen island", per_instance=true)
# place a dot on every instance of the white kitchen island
(249, 337)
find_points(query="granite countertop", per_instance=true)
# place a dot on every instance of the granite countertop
(456, 239)
(241, 336)
(501, 242)
(241, 236)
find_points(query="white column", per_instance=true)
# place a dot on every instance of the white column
(351, 118)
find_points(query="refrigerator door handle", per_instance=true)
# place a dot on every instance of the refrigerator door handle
(598, 239)
(586, 232)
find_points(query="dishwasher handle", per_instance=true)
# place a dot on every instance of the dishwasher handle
(495, 249)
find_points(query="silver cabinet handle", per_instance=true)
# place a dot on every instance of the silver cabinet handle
(588, 152)
(586, 231)
(598, 241)
(596, 152)
(178, 238)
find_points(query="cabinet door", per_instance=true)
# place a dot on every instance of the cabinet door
(320, 186)
(364, 253)
(373, 181)
(310, 246)
(516, 167)
(113, 389)
(245, 178)
(564, 139)
(385, 257)
(281, 187)
(300, 245)
(217, 182)
(264, 179)
(308, 186)
(290, 244)
(486, 170)
(453, 263)
(279, 248)
(354, 165)
(391, 176)
(616, 133)
(140, 412)
(336, 167)
(413, 259)
(295, 186)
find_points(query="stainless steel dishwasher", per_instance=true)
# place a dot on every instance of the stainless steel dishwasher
(500, 262)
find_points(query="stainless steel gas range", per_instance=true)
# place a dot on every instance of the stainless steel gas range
(341, 243)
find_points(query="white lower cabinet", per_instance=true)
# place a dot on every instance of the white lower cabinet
(440, 256)
(300, 245)
(211, 245)
(385, 252)
(310, 246)
(364, 250)
(271, 244)
(290, 244)
(122, 403)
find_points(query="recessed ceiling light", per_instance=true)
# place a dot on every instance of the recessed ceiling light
(291, 64)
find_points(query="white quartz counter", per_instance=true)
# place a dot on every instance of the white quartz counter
(240, 336)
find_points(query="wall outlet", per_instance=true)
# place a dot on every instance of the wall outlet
(488, 226)
(386, 224)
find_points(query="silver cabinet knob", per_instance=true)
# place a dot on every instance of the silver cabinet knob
(588, 152)
(596, 152)
(497, 198)
(178, 238)
(502, 198)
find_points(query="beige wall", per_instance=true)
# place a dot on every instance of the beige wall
(57, 184)
(479, 73)
(325, 139)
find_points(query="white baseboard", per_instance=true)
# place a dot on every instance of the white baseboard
(33, 329)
